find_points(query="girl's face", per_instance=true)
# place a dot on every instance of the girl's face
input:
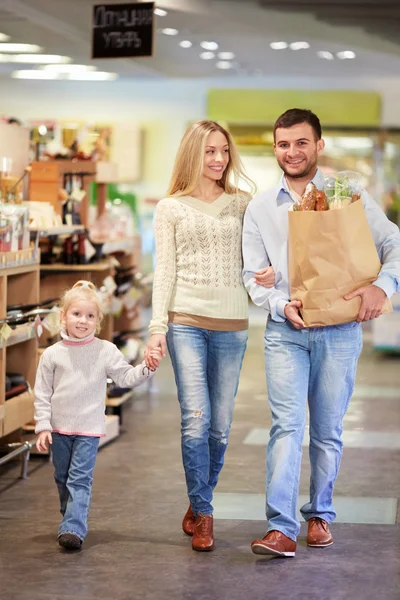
(80, 320)
(216, 157)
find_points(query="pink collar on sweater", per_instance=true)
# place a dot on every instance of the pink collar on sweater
(71, 341)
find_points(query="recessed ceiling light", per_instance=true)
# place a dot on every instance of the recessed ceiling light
(68, 68)
(209, 45)
(4, 37)
(207, 55)
(223, 64)
(299, 45)
(226, 55)
(346, 55)
(160, 12)
(169, 31)
(91, 76)
(278, 45)
(185, 44)
(325, 54)
(34, 74)
(37, 58)
(20, 48)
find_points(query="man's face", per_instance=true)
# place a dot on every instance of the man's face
(297, 150)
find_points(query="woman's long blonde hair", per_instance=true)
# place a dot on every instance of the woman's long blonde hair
(188, 167)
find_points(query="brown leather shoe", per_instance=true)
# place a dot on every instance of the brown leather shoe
(275, 544)
(188, 521)
(318, 535)
(203, 534)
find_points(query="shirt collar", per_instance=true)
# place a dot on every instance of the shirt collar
(318, 180)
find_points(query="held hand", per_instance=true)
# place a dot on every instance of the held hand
(265, 277)
(292, 313)
(155, 356)
(156, 342)
(43, 439)
(372, 301)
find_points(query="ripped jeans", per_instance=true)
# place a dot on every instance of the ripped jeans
(207, 366)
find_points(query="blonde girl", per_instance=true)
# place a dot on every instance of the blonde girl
(200, 306)
(70, 392)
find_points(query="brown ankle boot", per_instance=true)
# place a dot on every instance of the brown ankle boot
(203, 534)
(188, 521)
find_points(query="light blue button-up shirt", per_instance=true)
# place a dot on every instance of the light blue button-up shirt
(265, 242)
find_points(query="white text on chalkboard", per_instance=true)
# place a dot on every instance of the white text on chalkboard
(122, 18)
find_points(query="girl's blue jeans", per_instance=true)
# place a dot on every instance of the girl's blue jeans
(74, 459)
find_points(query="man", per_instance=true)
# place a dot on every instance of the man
(318, 364)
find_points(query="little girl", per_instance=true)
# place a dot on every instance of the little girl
(70, 392)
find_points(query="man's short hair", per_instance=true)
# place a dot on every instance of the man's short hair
(295, 116)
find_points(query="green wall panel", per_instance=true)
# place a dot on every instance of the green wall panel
(333, 107)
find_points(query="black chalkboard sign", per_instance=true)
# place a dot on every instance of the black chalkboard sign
(123, 30)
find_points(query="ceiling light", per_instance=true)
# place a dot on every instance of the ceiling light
(20, 48)
(278, 45)
(4, 37)
(346, 55)
(209, 45)
(169, 31)
(226, 55)
(160, 12)
(34, 74)
(325, 54)
(207, 55)
(223, 64)
(91, 76)
(68, 68)
(185, 44)
(299, 45)
(34, 58)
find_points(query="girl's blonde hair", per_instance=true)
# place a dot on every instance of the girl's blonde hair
(188, 167)
(83, 290)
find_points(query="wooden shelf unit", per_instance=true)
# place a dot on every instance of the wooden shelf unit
(18, 285)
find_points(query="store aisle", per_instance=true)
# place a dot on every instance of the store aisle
(136, 549)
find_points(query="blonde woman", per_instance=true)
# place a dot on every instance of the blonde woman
(200, 306)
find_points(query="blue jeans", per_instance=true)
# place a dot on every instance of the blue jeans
(74, 459)
(207, 366)
(319, 364)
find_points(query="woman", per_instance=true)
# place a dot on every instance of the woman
(200, 306)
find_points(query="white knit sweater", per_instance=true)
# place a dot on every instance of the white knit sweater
(199, 259)
(71, 383)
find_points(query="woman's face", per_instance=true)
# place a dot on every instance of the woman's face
(216, 156)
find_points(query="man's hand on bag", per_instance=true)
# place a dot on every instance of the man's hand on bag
(156, 341)
(372, 301)
(265, 277)
(292, 313)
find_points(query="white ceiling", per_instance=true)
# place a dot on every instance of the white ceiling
(243, 27)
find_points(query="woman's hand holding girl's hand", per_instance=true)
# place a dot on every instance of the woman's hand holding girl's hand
(154, 356)
(157, 344)
(265, 277)
(44, 437)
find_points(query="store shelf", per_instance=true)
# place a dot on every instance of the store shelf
(114, 402)
(18, 259)
(59, 230)
(17, 410)
(22, 333)
(121, 245)
(100, 266)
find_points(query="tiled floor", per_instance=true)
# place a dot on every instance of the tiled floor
(136, 549)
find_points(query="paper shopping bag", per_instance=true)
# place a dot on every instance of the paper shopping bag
(331, 253)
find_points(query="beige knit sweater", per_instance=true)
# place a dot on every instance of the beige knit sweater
(199, 259)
